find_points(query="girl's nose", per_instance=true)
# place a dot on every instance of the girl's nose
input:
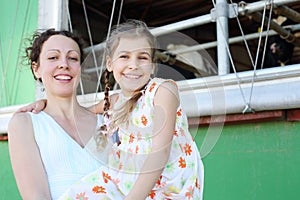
(133, 63)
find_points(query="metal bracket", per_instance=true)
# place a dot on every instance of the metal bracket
(224, 10)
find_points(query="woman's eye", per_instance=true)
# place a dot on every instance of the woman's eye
(52, 57)
(74, 58)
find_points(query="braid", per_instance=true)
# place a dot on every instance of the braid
(101, 138)
(106, 93)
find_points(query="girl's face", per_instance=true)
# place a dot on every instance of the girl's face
(59, 66)
(131, 64)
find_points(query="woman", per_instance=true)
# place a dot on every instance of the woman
(47, 149)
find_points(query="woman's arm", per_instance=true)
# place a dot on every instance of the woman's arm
(25, 158)
(97, 108)
(166, 102)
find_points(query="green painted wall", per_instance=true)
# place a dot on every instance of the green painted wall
(254, 162)
(19, 19)
(249, 162)
(8, 187)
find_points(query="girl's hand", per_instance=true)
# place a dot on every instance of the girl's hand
(35, 107)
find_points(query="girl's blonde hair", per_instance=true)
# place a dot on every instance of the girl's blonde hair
(131, 29)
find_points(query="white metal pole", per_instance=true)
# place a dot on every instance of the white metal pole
(222, 37)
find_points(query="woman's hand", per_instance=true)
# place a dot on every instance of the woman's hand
(35, 107)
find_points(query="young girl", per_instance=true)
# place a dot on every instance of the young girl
(156, 157)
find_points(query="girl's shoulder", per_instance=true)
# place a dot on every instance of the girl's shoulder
(156, 83)
(162, 88)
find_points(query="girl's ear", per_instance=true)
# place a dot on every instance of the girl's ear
(35, 70)
(108, 64)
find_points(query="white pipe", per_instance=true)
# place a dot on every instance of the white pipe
(231, 40)
(222, 36)
(197, 21)
(274, 89)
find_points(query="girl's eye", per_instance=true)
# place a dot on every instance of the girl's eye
(124, 56)
(144, 58)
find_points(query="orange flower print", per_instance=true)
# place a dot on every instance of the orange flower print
(144, 120)
(152, 194)
(131, 138)
(179, 112)
(120, 166)
(190, 192)
(158, 181)
(118, 153)
(106, 177)
(152, 87)
(187, 149)
(197, 184)
(116, 181)
(137, 149)
(175, 133)
(99, 189)
(81, 196)
(182, 163)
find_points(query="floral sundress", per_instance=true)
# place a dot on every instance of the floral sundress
(182, 177)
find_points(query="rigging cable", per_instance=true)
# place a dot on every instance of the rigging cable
(90, 37)
(103, 56)
(231, 61)
(247, 104)
(265, 46)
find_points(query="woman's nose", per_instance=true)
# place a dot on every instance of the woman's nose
(63, 64)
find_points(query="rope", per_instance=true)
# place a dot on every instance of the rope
(231, 61)
(267, 35)
(103, 56)
(69, 17)
(243, 35)
(120, 12)
(90, 37)
(254, 64)
(256, 60)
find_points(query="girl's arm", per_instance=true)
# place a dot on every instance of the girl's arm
(34, 107)
(25, 158)
(166, 102)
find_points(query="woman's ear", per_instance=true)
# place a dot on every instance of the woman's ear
(35, 70)
(108, 64)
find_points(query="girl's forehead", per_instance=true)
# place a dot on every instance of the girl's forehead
(133, 44)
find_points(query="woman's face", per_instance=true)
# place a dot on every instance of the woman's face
(131, 64)
(59, 66)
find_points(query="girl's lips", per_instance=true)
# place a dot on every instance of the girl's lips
(132, 76)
